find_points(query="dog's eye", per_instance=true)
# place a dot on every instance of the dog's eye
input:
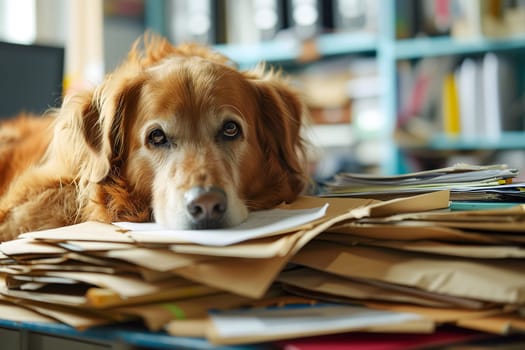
(231, 130)
(157, 138)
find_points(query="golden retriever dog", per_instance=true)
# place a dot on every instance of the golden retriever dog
(174, 135)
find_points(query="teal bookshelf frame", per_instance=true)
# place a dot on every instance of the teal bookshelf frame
(331, 44)
(388, 51)
(155, 16)
(443, 46)
(509, 140)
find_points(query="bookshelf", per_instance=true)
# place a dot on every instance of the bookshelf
(509, 140)
(389, 51)
(287, 51)
(441, 46)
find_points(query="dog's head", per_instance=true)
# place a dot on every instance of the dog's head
(199, 142)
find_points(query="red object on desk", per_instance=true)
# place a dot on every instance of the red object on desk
(381, 341)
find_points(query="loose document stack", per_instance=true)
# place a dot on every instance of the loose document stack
(486, 183)
(316, 266)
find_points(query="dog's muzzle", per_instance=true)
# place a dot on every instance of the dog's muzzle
(206, 207)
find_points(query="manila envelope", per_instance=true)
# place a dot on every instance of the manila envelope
(517, 227)
(459, 250)
(374, 208)
(336, 207)
(86, 231)
(42, 268)
(499, 281)
(112, 289)
(505, 323)
(493, 320)
(155, 259)
(60, 297)
(246, 277)
(4, 259)
(500, 250)
(237, 275)
(28, 247)
(78, 318)
(195, 327)
(321, 285)
(412, 232)
(413, 204)
(150, 257)
(438, 315)
(100, 298)
(158, 315)
(17, 313)
(342, 212)
(255, 249)
(497, 220)
(516, 213)
(127, 286)
(194, 323)
(94, 246)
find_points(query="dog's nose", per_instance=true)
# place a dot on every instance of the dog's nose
(206, 206)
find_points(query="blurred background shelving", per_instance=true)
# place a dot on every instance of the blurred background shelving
(392, 86)
(399, 39)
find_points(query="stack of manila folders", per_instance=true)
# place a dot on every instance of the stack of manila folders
(319, 265)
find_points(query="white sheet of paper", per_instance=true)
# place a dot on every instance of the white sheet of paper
(259, 224)
(283, 321)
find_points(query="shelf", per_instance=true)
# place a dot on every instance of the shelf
(510, 140)
(346, 43)
(290, 50)
(286, 50)
(442, 46)
(331, 135)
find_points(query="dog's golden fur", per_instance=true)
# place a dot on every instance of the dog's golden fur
(167, 120)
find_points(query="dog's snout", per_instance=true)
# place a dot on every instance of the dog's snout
(206, 207)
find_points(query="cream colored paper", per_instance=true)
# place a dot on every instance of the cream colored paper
(488, 280)
(333, 287)
(252, 325)
(87, 231)
(259, 224)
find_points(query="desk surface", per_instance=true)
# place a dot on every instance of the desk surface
(108, 337)
(44, 336)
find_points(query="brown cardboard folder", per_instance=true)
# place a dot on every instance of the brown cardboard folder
(410, 252)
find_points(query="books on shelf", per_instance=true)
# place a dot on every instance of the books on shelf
(355, 15)
(248, 22)
(421, 88)
(486, 94)
(451, 122)
(470, 91)
(487, 18)
(462, 19)
(478, 97)
(199, 21)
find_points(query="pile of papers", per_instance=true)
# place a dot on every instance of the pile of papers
(316, 266)
(466, 183)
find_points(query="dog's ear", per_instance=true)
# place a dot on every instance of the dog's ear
(279, 131)
(118, 104)
(100, 119)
